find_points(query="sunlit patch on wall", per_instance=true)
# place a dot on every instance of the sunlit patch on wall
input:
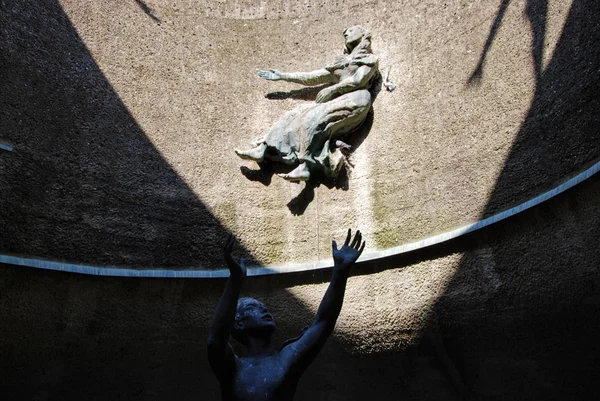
(558, 11)
(386, 310)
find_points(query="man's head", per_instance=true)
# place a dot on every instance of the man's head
(252, 319)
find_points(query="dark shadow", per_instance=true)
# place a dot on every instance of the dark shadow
(516, 318)
(560, 135)
(84, 183)
(307, 93)
(149, 12)
(477, 73)
(263, 175)
(537, 11)
(517, 312)
(299, 204)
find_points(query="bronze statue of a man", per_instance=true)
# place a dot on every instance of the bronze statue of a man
(268, 374)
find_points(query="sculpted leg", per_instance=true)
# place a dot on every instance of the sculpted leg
(256, 154)
(300, 173)
(332, 162)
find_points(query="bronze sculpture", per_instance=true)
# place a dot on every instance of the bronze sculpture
(305, 137)
(266, 373)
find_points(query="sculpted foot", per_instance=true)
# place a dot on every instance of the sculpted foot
(300, 173)
(256, 154)
(258, 142)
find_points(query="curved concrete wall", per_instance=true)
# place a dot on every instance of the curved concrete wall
(123, 117)
(508, 313)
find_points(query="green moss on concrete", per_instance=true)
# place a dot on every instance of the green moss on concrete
(386, 238)
(274, 252)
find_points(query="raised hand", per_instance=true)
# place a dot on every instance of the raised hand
(349, 252)
(235, 268)
(271, 75)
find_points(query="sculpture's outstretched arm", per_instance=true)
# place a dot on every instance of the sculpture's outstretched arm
(359, 80)
(220, 354)
(312, 78)
(299, 354)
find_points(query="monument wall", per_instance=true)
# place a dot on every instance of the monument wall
(123, 117)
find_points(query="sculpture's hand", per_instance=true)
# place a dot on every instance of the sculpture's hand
(235, 268)
(349, 253)
(271, 75)
(325, 95)
(342, 61)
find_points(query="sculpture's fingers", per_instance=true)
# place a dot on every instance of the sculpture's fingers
(357, 238)
(362, 247)
(348, 237)
(334, 247)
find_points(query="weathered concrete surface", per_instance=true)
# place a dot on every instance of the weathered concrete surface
(123, 131)
(508, 314)
(124, 127)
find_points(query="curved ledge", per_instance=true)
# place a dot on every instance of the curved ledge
(290, 268)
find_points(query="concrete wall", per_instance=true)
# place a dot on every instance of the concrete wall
(123, 121)
(124, 127)
(508, 314)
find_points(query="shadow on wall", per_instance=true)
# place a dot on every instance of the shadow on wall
(560, 134)
(84, 182)
(149, 12)
(537, 11)
(517, 321)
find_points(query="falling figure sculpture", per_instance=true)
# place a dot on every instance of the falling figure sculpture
(304, 136)
(267, 374)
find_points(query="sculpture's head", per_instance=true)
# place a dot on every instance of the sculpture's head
(252, 319)
(357, 50)
(357, 38)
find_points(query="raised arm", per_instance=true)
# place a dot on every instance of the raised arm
(220, 355)
(312, 78)
(359, 80)
(300, 354)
